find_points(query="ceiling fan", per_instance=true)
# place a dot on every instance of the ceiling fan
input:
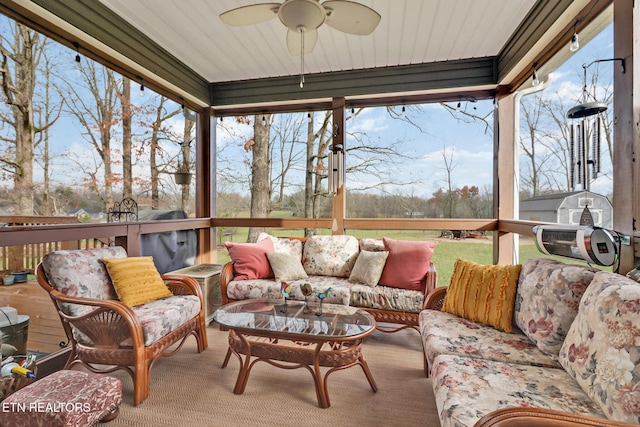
(303, 17)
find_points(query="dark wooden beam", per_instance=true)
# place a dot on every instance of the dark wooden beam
(358, 83)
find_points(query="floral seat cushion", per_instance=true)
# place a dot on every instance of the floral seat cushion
(466, 389)
(160, 317)
(386, 298)
(340, 292)
(445, 333)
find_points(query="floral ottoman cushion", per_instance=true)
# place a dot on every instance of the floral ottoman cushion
(547, 300)
(64, 398)
(602, 348)
(466, 389)
(445, 333)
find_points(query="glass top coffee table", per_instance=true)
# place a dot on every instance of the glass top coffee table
(272, 332)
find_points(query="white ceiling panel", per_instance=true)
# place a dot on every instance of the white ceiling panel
(410, 32)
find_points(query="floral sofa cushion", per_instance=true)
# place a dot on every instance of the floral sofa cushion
(165, 315)
(445, 333)
(270, 289)
(386, 298)
(466, 389)
(602, 348)
(330, 255)
(372, 245)
(81, 273)
(283, 245)
(547, 300)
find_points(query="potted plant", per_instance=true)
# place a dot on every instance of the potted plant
(182, 176)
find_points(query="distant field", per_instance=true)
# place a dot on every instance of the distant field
(445, 254)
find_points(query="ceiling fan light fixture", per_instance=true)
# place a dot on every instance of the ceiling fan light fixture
(308, 14)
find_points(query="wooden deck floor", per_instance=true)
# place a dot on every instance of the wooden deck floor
(45, 330)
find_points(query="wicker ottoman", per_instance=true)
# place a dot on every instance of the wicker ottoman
(64, 398)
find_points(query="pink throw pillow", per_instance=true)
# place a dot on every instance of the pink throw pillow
(407, 264)
(250, 259)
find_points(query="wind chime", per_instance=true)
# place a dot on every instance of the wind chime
(585, 141)
(336, 165)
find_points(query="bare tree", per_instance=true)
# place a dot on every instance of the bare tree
(260, 171)
(127, 142)
(46, 115)
(450, 164)
(20, 59)
(158, 133)
(94, 103)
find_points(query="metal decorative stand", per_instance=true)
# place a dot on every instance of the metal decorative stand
(124, 211)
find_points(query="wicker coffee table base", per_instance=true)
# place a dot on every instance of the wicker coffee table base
(287, 354)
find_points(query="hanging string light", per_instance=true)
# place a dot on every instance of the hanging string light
(535, 81)
(76, 64)
(575, 40)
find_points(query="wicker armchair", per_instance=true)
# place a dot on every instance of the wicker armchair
(106, 335)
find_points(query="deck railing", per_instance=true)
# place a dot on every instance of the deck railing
(25, 257)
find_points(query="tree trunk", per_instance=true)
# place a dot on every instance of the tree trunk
(127, 174)
(260, 167)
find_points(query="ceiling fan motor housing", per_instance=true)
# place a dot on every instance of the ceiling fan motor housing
(298, 15)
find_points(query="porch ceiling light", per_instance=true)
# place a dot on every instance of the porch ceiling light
(575, 42)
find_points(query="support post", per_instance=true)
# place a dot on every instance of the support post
(626, 129)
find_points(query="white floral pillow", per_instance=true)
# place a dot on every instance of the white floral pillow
(602, 349)
(373, 245)
(368, 267)
(547, 300)
(281, 244)
(286, 266)
(330, 255)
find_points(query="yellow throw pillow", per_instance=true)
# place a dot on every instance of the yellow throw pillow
(483, 293)
(136, 280)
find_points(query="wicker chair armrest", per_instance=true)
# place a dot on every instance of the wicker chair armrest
(106, 316)
(182, 285)
(226, 275)
(540, 417)
(435, 298)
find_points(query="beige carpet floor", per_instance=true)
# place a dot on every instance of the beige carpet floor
(191, 389)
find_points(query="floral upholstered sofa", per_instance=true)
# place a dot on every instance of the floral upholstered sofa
(572, 357)
(388, 278)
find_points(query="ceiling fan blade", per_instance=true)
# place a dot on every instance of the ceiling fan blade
(249, 15)
(351, 17)
(294, 41)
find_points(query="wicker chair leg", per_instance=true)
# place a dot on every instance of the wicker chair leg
(201, 336)
(141, 383)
